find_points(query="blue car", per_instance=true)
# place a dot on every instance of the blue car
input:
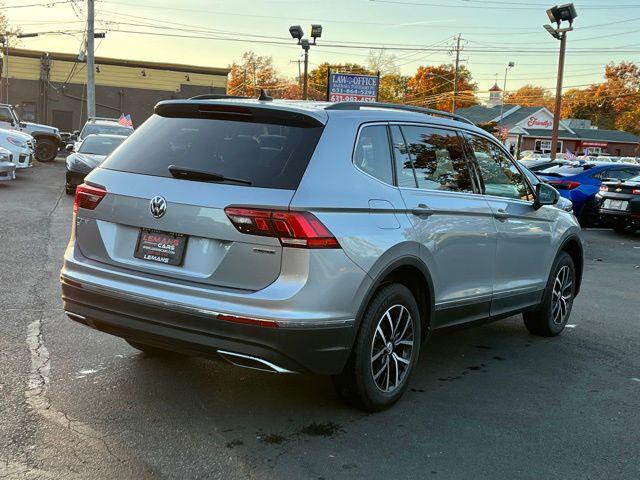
(579, 182)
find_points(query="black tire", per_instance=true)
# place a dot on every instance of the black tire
(624, 229)
(357, 383)
(148, 349)
(69, 190)
(550, 318)
(46, 150)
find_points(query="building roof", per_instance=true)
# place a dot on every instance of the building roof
(495, 88)
(72, 57)
(610, 136)
(542, 132)
(519, 114)
(479, 113)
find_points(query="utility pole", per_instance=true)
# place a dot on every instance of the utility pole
(558, 108)
(91, 63)
(299, 62)
(455, 76)
(6, 66)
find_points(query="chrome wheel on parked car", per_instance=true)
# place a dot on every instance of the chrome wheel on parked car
(391, 348)
(562, 293)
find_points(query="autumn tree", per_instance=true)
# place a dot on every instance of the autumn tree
(251, 74)
(531, 96)
(432, 86)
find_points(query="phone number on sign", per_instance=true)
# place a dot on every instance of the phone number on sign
(334, 97)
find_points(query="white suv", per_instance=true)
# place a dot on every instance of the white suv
(21, 146)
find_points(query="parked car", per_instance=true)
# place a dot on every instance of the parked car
(7, 167)
(278, 235)
(100, 126)
(580, 182)
(536, 165)
(619, 204)
(20, 145)
(92, 152)
(563, 203)
(629, 160)
(48, 140)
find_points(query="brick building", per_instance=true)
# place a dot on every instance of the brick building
(50, 88)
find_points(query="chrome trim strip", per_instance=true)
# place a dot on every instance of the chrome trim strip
(180, 307)
(462, 302)
(75, 315)
(272, 367)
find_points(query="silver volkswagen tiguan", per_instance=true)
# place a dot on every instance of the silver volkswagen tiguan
(314, 237)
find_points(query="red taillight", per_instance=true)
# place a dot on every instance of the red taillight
(247, 320)
(604, 188)
(293, 229)
(565, 185)
(636, 191)
(88, 197)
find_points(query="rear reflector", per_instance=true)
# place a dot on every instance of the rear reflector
(88, 197)
(293, 229)
(604, 188)
(247, 321)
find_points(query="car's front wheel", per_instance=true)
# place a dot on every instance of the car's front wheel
(46, 150)
(550, 318)
(385, 352)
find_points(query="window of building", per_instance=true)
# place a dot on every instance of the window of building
(544, 146)
(372, 154)
(28, 112)
(438, 159)
(500, 176)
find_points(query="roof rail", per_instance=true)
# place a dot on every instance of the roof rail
(215, 96)
(396, 106)
(101, 118)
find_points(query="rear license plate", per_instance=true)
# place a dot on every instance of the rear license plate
(615, 204)
(161, 247)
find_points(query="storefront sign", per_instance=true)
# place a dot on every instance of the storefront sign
(535, 122)
(349, 87)
(594, 144)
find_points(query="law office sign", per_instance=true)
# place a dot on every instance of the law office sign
(351, 87)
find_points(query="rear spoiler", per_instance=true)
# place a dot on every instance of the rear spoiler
(237, 111)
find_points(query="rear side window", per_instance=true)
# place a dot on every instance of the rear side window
(500, 176)
(267, 155)
(404, 166)
(438, 159)
(372, 154)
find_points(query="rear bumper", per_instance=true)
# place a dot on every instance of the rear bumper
(321, 350)
(620, 217)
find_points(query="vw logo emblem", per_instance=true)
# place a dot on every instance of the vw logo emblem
(158, 206)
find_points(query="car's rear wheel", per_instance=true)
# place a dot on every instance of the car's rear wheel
(624, 229)
(385, 352)
(550, 318)
(46, 150)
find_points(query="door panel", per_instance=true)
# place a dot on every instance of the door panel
(454, 227)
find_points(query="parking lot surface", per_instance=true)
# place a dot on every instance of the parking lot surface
(491, 402)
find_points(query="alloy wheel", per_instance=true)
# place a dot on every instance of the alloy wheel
(562, 293)
(392, 348)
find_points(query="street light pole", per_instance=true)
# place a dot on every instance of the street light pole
(91, 66)
(504, 89)
(305, 85)
(297, 33)
(558, 107)
(557, 15)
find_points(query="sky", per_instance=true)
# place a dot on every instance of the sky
(416, 32)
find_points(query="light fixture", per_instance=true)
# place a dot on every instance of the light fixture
(97, 69)
(143, 73)
(552, 31)
(186, 77)
(316, 31)
(296, 32)
(562, 13)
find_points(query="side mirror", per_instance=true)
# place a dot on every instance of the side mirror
(545, 195)
(69, 147)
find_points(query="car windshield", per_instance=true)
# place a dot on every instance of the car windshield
(115, 129)
(99, 145)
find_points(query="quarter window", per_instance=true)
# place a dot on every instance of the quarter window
(373, 155)
(404, 167)
(501, 177)
(438, 159)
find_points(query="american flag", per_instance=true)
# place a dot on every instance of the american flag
(569, 155)
(125, 120)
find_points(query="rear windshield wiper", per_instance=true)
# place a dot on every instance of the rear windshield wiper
(187, 173)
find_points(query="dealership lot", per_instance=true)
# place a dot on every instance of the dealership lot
(488, 402)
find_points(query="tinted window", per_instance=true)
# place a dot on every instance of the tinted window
(500, 176)
(5, 115)
(372, 154)
(567, 169)
(267, 155)
(620, 173)
(404, 167)
(438, 159)
(99, 145)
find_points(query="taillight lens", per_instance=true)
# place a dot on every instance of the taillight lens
(636, 191)
(566, 185)
(293, 229)
(88, 197)
(604, 188)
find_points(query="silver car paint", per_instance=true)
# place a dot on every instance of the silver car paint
(469, 253)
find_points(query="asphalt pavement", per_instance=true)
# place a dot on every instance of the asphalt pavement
(490, 402)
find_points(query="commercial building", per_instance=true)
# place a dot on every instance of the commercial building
(50, 87)
(529, 128)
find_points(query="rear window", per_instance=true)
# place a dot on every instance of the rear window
(567, 169)
(267, 155)
(99, 145)
(93, 129)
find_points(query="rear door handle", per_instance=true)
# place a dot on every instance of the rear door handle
(501, 215)
(422, 210)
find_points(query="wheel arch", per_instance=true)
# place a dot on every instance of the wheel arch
(410, 271)
(573, 247)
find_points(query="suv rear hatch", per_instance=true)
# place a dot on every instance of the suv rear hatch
(168, 185)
